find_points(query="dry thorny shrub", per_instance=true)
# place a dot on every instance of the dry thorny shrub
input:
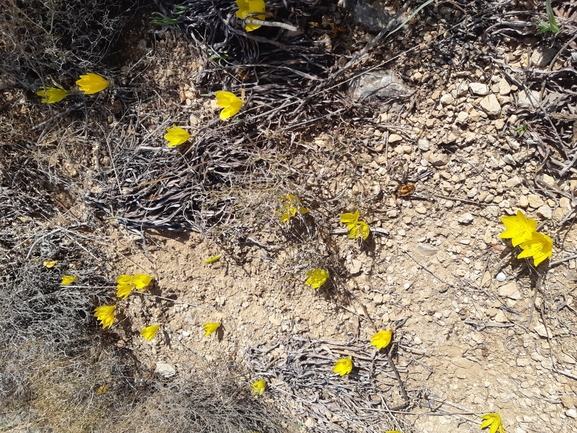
(225, 183)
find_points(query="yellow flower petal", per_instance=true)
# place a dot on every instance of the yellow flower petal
(125, 280)
(176, 136)
(50, 95)
(212, 259)
(230, 103)
(103, 389)
(316, 278)
(91, 83)
(50, 263)
(343, 366)
(519, 228)
(123, 291)
(105, 314)
(359, 230)
(290, 206)
(381, 339)
(259, 386)
(350, 218)
(210, 328)
(141, 281)
(248, 7)
(149, 332)
(68, 279)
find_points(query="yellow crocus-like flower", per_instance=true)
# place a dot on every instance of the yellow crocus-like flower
(343, 366)
(50, 263)
(149, 332)
(210, 328)
(230, 103)
(359, 230)
(540, 247)
(50, 95)
(142, 281)
(350, 218)
(493, 421)
(91, 83)
(105, 314)
(381, 339)
(251, 7)
(259, 386)
(68, 279)
(316, 278)
(176, 136)
(519, 228)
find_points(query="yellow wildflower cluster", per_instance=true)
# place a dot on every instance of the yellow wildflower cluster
(126, 283)
(380, 340)
(290, 207)
(88, 84)
(316, 278)
(523, 232)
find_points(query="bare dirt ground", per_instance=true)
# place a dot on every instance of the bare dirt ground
(475, 329)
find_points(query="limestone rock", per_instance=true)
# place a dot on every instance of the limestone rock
(479, 89)
(491, 105)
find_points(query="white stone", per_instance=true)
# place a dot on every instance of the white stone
(395, 138)
(479, 89)
(571, 413)
(542, 331)
(491, 105)
(545, 211)
(510, 290)
(466, 219)
(447, 99)
(501, 277)
(164, 369)
(504, 87)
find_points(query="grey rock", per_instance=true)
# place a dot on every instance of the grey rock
(466, 219)
(528, 99)
(378, 84)
(370, 14)
(542, 56)
(447, 99)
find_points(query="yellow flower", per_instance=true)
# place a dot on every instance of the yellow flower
(259, 386)
(50, 95)
(540, 247)
(356, 227)
(519, 228)
(248, 7)
(350, 218)
(210, 328)
(381, 339)
(125, 280)
(68, 279)
(316, 278)
(105, 314)
(343, 366)
(212, 259)
(91, 83)
(50, 263)
(141, 281)
(291, 205)
(176, 136)
(359, 230)
(230, 102)
(492, 420)
(149, 332)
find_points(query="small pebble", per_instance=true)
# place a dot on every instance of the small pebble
(501, 277)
